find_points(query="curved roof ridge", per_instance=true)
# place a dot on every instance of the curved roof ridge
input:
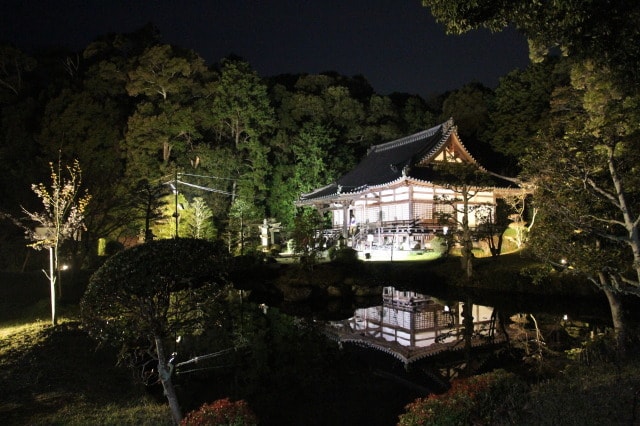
(445, 137)
(315, 191)
(468, 153)
(407, 139)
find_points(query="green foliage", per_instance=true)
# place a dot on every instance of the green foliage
(308, 170)
(163, 223)
(469, 106)
(112, 247)
(603, 31)
(161, 288)
(325, 124)
(243, 219)
(416, 116)
(241, 116)
(593, 395)
(585, 170)
(148, 204)
(165, 125)
(481, 399)
(306, 237)
(439, 244)
(520, 108)
(197, 221)
(222, 412)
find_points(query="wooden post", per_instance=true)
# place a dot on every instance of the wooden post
(345, 220)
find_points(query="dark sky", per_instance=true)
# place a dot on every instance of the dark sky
(395, 44)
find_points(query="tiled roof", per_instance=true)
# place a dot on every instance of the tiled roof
(387, 163)
(383, 164)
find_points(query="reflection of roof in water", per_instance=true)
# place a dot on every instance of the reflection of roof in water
(407, 354)
(412, 326)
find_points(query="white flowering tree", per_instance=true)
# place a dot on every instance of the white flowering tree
(61, 219)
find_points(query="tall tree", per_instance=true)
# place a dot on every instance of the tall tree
(465, 181)
(62, 219)
(165, 127)
(241, 115)
(148, 203)
(520, 108)
(586, 173)
(307, 171)
(469, 106)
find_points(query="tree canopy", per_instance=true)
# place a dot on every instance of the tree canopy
(604, 31)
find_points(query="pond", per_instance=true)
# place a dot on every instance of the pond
(413, 344)
(455, 330)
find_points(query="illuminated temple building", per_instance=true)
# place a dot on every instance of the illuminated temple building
(391, 196)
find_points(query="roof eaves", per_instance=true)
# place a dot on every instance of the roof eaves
(405, 140)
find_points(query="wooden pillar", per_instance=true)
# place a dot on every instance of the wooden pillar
(345, 220)
(412, 213)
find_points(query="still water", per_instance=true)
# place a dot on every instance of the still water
(411, 326)
(413, 343)
(420, 330)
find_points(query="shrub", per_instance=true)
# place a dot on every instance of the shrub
(343, 255)
(221, 412)
(477, 400)
(439, 245)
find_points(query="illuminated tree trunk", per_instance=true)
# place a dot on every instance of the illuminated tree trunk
(467, 242)
(630, 221)
(617, 316)
(52, 283)
(165, 371)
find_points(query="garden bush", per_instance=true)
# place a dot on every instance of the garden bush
(343, 255)
(221, 412)
(481, 399)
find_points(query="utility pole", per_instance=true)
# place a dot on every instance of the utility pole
(175, 191)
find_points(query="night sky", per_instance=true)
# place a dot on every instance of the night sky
(395, 44)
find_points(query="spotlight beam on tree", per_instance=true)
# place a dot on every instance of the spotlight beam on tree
(62, 219)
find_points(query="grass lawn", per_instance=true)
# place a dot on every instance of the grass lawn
(56, 376)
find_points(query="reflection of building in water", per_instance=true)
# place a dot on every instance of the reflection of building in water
(414, 319)
(411, 325)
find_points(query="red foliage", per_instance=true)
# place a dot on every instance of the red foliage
(456, 406)
(221, 412)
